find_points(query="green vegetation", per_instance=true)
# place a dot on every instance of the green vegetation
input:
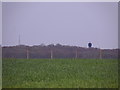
(0, 72)
(60, 73)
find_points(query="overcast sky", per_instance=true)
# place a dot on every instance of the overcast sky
(65, 23)
(0, 23)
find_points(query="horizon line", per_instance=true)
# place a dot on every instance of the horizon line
(54, 45)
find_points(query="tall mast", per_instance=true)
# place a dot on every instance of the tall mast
(19, 40)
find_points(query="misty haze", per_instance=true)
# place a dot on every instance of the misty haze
(59, 44)
(65, 23)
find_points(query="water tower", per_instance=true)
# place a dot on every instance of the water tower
(89, 44)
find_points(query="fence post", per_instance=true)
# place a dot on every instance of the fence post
(51, 54)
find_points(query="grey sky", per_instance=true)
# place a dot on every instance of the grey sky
(0, 22)
(65, 23)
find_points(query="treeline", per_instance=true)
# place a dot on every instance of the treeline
(57, 51)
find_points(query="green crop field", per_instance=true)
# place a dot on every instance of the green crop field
(60, 73)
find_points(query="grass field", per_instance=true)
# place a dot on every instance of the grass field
(60, 73)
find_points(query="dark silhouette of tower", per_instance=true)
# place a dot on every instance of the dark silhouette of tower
(89, 44)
